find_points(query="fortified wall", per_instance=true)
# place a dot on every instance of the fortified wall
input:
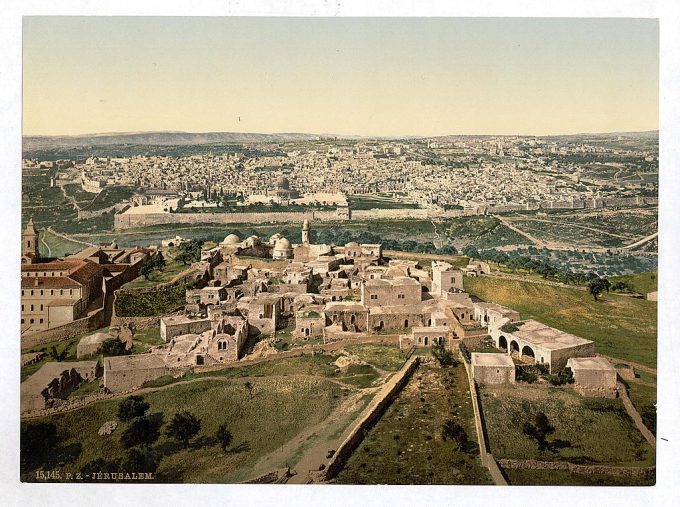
(131, 220)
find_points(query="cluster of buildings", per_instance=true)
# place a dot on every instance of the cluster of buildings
(329, 293)
(467, 172)
(57, 292)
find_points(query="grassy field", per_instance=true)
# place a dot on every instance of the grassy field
(644, 400)
(52, 245)
(157, 277)
(383, 357)
(587, 430)
(149, 304)
(406, 445)
(590, 228)
(565, 478)
(620, 326)
(144, 339)
(259, 426)
(639, 282)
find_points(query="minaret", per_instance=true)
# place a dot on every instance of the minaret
(305, 232)
(30, 241)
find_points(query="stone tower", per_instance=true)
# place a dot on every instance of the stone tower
(30, 241)
(305, 232)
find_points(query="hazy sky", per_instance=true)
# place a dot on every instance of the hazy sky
(370, 76)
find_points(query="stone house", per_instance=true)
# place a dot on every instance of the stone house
(593, 376)
(488, 368)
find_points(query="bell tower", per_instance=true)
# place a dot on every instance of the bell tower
(30, 241)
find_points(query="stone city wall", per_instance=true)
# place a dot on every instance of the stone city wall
(65, 331)
(128, 221)
(374, 411)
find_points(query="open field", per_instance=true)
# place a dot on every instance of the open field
(298, 404)
(644, 399)
(586, 430)
(172, 268)
(565, 478)
(639, 282)
(260, 426)
(620, 326)
(482, 231)
(148, 304)
(406, 445)
(52, 245)
(601, 228)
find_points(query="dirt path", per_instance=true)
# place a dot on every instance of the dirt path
(642, 241)
(315, 442)
(68, 238)
(511, 226)
(577, 226)
(634, 415)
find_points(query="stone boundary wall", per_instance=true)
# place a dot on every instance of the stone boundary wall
(75, 403)
(485, 455)
(374, 411)
(530, 464)
(64, 332)
(128, 221)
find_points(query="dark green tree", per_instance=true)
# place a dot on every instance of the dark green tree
(249, 387)
(597, 286)
(146, 269)
(444, 357)
(114, 347)
(131, 407)
(183, 427)
(224, 437)
(540, 429)
(454, 431)
(143, 430)
(37, 442)
(142, 459)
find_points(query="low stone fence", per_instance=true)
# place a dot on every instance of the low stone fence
(375, 410)
(76, 403)
(64, 332)
(530, 464)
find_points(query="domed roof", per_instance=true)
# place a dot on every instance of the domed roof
(283, 183)
(282, 244)
(352, 244)
(232, 239)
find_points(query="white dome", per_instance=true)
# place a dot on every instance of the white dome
(282, 244)
(352, 244)
(232, 239)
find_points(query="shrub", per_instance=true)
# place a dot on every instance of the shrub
(443, 356)
(465, 352)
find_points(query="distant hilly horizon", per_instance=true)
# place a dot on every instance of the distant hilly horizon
(176, 137)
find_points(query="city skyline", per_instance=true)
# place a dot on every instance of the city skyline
(368, 77)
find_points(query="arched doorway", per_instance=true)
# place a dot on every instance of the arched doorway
(426, 341)
(514, 347)
(503, 343)
(528, 355)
